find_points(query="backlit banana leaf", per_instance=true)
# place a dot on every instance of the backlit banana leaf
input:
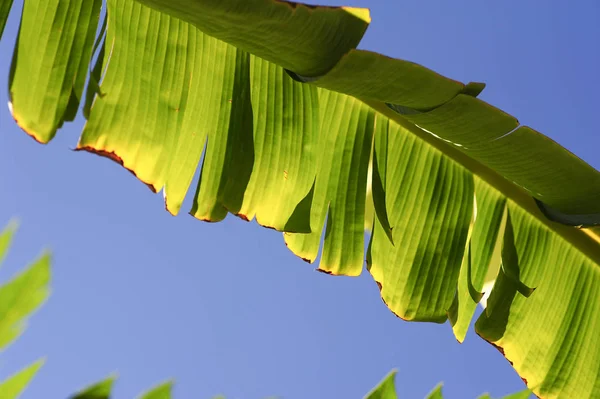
(284, 114)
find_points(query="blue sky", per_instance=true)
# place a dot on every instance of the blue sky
(225, 308)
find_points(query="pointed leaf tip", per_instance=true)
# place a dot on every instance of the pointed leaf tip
(161, 391)
(99, 390)
(13, 386)
(386, 389)
(437, 392)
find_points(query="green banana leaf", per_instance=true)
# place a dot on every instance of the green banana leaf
(286, 118)
(103, 390)
(386, 389)
(26, 292)
(19, 298)
(13, 386)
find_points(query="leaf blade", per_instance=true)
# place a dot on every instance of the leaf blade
(99, 390)
(22, 296)
(386, 389)
(42, 98)
(161, 391)
(13, 386)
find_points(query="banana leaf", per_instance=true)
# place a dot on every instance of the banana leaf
(285, 117)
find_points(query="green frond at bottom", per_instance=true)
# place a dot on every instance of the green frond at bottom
(19, 298)
(98, 390)
(386, 390)
(6, 238)
(22, 296)
(13, 386)
(103, 390)
(436, 393)
(161, 391)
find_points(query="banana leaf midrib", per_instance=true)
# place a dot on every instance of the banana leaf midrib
(586, 240)
(448, 148)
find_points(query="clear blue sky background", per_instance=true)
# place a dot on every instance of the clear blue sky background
(225, 308)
